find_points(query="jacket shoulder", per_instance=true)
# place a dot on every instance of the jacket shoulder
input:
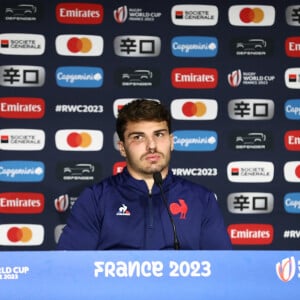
(177, 180)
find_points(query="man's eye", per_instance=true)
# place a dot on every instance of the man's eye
(160, 134)
(137, 137)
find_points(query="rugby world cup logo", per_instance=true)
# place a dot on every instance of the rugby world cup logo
(286, 269)
(121, 14)
(235, 78)
(62, 203)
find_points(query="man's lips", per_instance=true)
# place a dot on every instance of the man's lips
(152, 157)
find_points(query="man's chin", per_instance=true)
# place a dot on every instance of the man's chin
(155, 168)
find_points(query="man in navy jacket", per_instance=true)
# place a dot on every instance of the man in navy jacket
(145, 207)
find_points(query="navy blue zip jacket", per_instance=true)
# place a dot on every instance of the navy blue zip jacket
(120, 213)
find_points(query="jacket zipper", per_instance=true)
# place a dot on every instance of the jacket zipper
(150, 211)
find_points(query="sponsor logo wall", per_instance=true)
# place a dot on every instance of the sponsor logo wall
(228, 72)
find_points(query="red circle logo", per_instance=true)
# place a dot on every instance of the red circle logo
(76, 139)
(297, 171)
(191, 109)
(17, 234)
(76, 45)
(248, 15)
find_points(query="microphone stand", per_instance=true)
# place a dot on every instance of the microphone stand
(158, 181)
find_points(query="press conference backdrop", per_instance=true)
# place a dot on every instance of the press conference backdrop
(229, 72)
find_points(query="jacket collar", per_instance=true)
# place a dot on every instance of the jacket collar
(140, 185)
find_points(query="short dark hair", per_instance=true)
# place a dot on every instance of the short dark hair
(141, 110)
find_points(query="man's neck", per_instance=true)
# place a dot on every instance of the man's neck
(148, 178)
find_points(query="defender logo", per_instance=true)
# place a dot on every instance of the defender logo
(22, 12)
(251, 140)
(252, 47)
(81, 171)
(129, 77)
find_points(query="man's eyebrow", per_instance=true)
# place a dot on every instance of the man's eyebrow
(160, 130)
(135, 132)
(142, 132)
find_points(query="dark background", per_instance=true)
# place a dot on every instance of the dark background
(276, 63)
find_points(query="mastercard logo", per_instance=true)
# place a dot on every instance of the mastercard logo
(88, 45)
(79, 140)
(21, 234)
(255, 15)
(75, 139)
(291, 171)
(251, 15)
(297, 171)
(83, 45)
(194, 109)
(190, 109)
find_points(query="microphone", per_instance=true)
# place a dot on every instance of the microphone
(158, 181)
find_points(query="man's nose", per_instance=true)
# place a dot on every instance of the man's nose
(151, 143)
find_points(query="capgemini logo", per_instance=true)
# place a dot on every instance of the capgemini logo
(286, 269)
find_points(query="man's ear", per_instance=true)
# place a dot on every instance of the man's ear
(121, 148)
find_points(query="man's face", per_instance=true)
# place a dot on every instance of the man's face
(147, 147)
